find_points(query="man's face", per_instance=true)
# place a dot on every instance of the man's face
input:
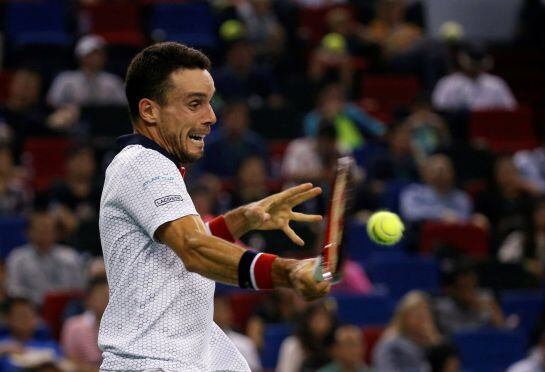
(22, 320)
(42, 231)
(185, 118)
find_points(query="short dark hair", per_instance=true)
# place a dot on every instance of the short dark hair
(148, 72)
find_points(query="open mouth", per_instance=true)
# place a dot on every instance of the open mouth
(199, 138)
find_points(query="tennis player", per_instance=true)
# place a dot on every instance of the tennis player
(162, 261)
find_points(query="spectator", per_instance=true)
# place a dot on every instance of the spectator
(353, 126)
(347, 351)
(466, 306)
(437, 198)
(526, 245)
(307, 350)
(531, 165)
(14, 197)
(233, 142)
(472, 87)
(403, 344)
(443, 358)
(281, 306)
(79, 339)
(89, 85)
(429, 132)
(242, 78)
(23, 344)
(506, 202)
(244, 344)
(251, 182)
(75, 201)
(534, 362)
(306, 158)
(42, 265)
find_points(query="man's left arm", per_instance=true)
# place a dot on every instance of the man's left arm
(272, 213)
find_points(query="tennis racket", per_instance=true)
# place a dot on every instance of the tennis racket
(329, 263)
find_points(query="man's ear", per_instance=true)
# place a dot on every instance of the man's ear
(149, 112)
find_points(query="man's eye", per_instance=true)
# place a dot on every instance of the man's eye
(194, 105)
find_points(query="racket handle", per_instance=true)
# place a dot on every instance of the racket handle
(318, 273)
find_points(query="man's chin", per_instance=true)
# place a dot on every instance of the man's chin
(189, 158)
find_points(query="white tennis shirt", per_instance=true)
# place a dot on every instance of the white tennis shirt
(159, 315)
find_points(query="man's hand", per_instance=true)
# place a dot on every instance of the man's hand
(275, 213)
(301, 279)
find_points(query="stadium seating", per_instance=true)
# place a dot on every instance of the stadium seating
(312, 21)
(12, 234)
(371, 335)
(390, 91)
(401, 276)
(372, 309)
(527, 305)
(189, 22)
(274, 335)
(466, 237)
(5, 81)
(117, 22)
(36, 22)
(54, 306)
(243, 304)
(489, 350)
(46, 157)
(504, 130)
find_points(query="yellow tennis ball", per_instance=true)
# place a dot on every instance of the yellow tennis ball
(385, 228)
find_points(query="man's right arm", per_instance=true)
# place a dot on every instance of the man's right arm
(219, 260)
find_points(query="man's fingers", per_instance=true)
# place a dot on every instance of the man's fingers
(302, 217)
(293, 236)
(291, 192)
(304, 196)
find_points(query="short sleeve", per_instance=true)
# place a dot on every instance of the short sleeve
(152, 191)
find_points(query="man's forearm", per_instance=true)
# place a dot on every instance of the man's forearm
(236, 221)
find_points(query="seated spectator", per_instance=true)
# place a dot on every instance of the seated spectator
(466, 307)
(403, 344)
(306, 158)
(14, 197)
(526, 245)
(506, 202)
(242, 78)
(251, 182)
(534, 362)
(437, 198)
(281, 306)
(42, 265)
(353, 126)
(244, 344)
(355, 279)
(531, 165)
(473, 87)
(429, 132)
(308, 349)
(75, 201)
(398, 162)
(79, 339)
(233, 142)
(21, 346)
(443, 357)
(90, 84)
(347, 351)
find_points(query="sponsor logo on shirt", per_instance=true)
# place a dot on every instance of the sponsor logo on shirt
(167, 199)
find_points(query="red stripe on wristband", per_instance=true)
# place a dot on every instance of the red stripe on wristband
(219, 228)
(262, 271)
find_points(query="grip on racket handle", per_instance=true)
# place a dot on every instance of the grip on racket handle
(319, 274)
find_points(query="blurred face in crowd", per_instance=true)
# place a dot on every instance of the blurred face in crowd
(391, 11)
(42, 231)
(320, 322)
(82, 164)
(439, 173)
(22, 320)
(340, 21)
(465, 288)
(506, 174)
(97, 300)
(185, 118)
(261, 7)
(332, 100)
(252, 173)
(241, 56)
(223, 316)
(348, 347)
(417, 320)
(25, 89)
(236, 119)
(400, 140)
(94, 61)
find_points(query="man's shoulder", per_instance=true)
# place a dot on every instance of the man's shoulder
(20, 253)
(66, 253)
(68, 75)
(137, 156)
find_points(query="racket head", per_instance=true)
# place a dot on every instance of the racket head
(330, 262)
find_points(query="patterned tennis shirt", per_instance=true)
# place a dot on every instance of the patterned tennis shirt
(159, 315)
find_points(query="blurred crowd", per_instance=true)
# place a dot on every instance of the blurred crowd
(294, 93)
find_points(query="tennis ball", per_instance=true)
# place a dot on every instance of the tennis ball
(385, 228)
(334, 43)
(231, 30)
